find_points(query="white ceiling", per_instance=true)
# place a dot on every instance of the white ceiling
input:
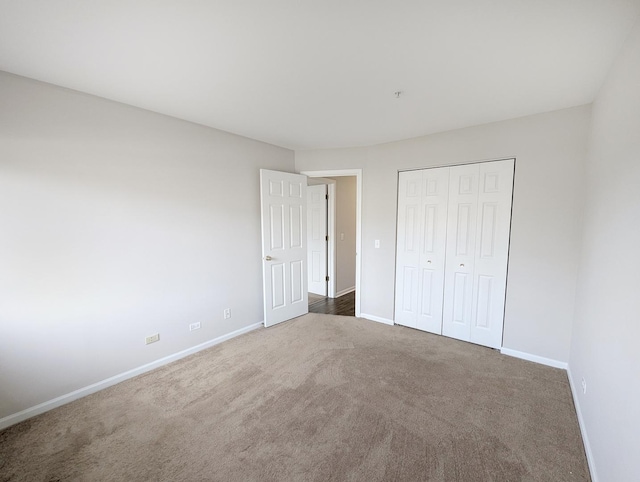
(307, 74)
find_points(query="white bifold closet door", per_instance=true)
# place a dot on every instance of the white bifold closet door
(452, 253)
(422, 224)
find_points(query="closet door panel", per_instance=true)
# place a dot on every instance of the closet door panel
(492, 247)
(460, 249)
(410, 188)
(433, 245)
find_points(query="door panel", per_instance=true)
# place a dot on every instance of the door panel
(427, 302)
(317, 238)
(276, 224)
(422, 208)
(278, 284)
(284, 247)
(408, 255)
(296, 226)
(433, 243)
(494, 224)
(483, 303)
(461, 230)
(297, 282)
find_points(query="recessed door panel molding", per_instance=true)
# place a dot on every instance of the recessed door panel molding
(483, 305)
(284, 247)
(488, 229)
(459, 217)
(429, 228)
(295, 189)
(426, 304)
(278, 283)
(276, 222)
(464, 218)
(276, 188)
(409, 300)
(411, 224)
(297, 226)
(297, 283)
(412, 188)
(459, 294)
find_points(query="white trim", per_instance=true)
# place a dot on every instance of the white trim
(344, 292)
(534, 358)
(379, 319)
(101, 385)
(583, 428)
(331, 246)
(358, 174)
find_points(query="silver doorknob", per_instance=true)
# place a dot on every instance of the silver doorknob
(428, 261)
(268, 258)
(462, 265)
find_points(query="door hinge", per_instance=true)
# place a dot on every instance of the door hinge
(326, 278)
(326, 196)
(326, 238)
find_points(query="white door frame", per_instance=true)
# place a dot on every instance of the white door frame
(332, 223)
(331, 232)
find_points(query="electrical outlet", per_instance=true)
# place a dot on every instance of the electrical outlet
(194, 326)
(584, 386)
(152, 339)
(227, 313)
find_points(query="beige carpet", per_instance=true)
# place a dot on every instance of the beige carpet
(319, 398)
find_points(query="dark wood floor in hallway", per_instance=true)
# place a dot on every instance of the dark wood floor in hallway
(345, 305)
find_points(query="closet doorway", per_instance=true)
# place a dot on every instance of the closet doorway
(452, 250)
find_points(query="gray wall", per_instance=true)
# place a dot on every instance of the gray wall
(546, 229)
(605, 350)
(117, 223)
(345, 224)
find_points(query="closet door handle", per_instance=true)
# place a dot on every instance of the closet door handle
(462, 265)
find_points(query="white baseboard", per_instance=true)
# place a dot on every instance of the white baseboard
(101, 385)
(379, 319)
(344, 292)
(534, 358)
(583, 429)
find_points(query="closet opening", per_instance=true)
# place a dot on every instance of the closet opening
(453, 230)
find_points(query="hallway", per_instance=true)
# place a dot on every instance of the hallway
(345, 305)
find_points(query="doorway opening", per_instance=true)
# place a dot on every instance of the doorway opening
(334, 266)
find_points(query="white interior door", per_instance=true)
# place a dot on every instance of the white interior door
(461, 236)
(317, 238)
(477, 251)
(433, 229)
(492, 247)
(408, 248)
(422, 221)
(284, 245)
